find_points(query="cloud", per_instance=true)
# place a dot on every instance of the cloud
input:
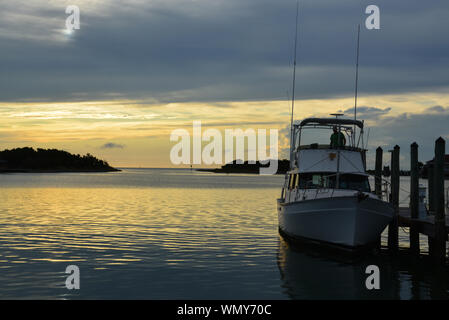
(368, 113)
(111, 145)
(436, 109)
(406, 128)
(387, 131)
(219, 50)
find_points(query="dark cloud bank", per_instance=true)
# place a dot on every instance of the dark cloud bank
(242, 50)
(230, 50)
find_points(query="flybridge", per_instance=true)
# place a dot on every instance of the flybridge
(326, 157)
(328, 122)
(346, 126)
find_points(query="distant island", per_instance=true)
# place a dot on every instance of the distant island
(283, 167)
(49, 160)
(246, 167)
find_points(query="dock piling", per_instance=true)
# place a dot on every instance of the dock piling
(393, 233)
(439, 249)
(430, 202)
(414, 198)
(378, 172)
(378, 182)
(431, 198)
(435, 224)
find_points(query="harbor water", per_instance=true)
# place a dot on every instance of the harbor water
(179, 234)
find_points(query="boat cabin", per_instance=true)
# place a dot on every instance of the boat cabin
(326, 198)
(315, 165)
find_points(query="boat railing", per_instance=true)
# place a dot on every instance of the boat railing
(385, 190)
(320, 189)
(327, 146)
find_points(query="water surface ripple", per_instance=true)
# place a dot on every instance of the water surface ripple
(172, 234)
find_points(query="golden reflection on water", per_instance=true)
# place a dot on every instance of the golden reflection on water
(105, 228)
(150, 234)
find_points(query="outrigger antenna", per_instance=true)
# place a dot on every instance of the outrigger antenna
(294, 85)
(356, 78)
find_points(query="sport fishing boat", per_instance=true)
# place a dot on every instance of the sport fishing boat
(326, 196)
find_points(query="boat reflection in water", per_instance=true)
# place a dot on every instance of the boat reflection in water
(311, 273)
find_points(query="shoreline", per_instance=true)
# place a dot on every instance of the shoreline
(232, 171)
(5, 171)
(243, 171)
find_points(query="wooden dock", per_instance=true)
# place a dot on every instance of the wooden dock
(425, 225)
(435, 225)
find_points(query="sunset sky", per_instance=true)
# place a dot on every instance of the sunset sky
(137, 70)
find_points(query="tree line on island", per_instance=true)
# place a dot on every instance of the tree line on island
(50, 160)
(239, 166)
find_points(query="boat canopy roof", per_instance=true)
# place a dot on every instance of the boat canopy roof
(330, 122)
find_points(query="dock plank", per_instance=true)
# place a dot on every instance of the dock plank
(426, 225)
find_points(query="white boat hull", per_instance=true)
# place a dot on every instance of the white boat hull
(344, 221)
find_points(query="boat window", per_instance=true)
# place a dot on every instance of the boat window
(329, 180)
(354, 182)
(293, 181)
(317, 180)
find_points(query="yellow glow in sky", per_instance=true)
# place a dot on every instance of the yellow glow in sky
(142, 130)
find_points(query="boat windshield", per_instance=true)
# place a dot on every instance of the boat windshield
(328, 180)
(329, 132)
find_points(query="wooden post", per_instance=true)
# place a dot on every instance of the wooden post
(440, 219)
(378, 172)
(430, 182)
(430, 242)
(414, 198)
(378, 184)
(393, 235)
(430, 202)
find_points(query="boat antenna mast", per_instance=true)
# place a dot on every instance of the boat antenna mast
(356, 81)
(294, 85)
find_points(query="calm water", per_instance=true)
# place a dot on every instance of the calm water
(176, 234)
